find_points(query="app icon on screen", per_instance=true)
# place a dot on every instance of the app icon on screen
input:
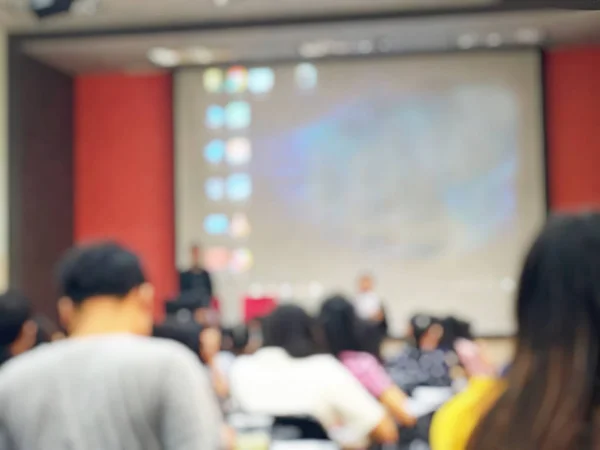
(237, 80)
(306, 76)
(215, 117)
(240, 226)
(239, 187)
(241, 260)
(238, 151)
(237, 115)
(214, 152)
(217, 259)
(213, 80)
(261, 80)
(216, 224)
(215, 189)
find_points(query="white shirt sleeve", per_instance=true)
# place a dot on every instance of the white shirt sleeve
(190, 417)
(359, 411)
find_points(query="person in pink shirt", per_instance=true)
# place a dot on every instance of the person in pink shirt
(356, 344)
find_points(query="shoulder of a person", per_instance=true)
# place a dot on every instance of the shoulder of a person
(30, 362)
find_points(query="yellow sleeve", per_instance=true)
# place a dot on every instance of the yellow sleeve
(454, 423)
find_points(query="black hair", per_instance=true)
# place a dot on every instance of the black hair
(186, 333)
(291, 328)
(240, 337)
(99, 269)
(15, 311)
(551, 395)
(420, 324)
(340, 325)
(344, 331)
(46, 330)
(454, 328)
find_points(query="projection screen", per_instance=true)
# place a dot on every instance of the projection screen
(425, 171)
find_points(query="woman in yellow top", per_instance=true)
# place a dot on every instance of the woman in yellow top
(550, 398)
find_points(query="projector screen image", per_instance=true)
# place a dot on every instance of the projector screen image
(426, 172)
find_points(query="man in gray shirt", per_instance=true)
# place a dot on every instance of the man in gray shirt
(109, 386)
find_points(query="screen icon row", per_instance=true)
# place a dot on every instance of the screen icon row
(236, 188)
(234, 116)
(237, 226)
(234, 151)
(238, 79)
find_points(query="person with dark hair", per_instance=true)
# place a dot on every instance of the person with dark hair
(347, 337)
(196, 277)
(422, 371)
(109, 385)
(47, 331)
(205, 342)
(17, 329)
(549, 397)
(235, 343)
(292, 377)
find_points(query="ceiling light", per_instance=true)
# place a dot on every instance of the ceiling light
(221, 3)
(467, 41)
(365, 47)
(313, 50)
(198, 55)
(85, 7)
(529, 36)
(493, 40)
(164, 57)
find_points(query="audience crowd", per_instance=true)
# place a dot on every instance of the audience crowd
(109, 378)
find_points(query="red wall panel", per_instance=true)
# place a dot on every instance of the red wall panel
(124, 168)
(573, 127)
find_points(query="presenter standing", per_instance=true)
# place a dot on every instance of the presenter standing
(196, 288)
(368, 304)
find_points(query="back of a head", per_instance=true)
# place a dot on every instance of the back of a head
(187, 334)
(240, 337)
(551, 399)
(453, 329)
(420, 325)
(103, 269)
(15, 311)
(291, 328)
(340, 324)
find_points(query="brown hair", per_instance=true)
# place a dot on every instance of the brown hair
(551, 391)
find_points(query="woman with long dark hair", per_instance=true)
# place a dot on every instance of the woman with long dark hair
(292, 377)
(356, 344)
(550, 397)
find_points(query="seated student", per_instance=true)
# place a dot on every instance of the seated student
(549, 398)
(422, 362)
(109, 386)
(48, 331)
(347, 338)
(423, 371)
(203, 342)
(292, 377)
(235, 343)
(18, 332)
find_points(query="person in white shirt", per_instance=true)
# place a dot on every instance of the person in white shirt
(368, 304)
(291, 377)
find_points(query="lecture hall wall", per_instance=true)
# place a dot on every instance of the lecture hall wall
(124, 155)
